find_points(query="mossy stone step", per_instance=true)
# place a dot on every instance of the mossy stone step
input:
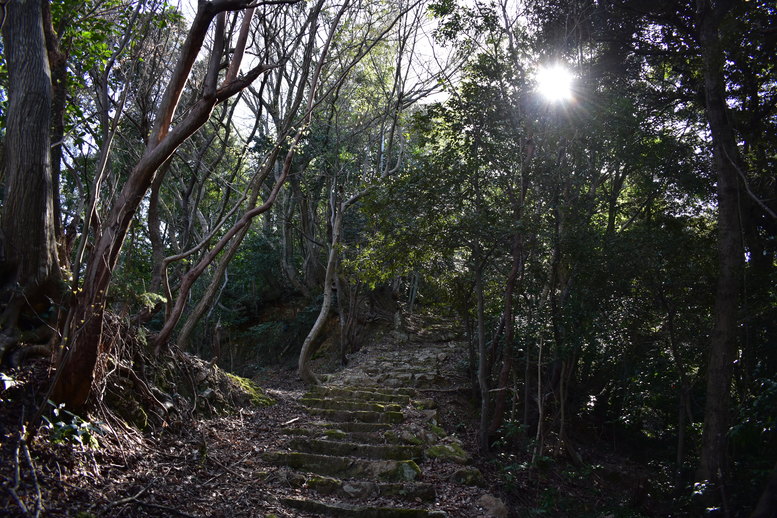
(356, 511)
(346, 467)
(398, 367)
(333, 434)
(375, 387)
(349, 404)
(355, 427)
(362, 416)
(422, 380)
(359, 394)
(363, 489)
(365, 451)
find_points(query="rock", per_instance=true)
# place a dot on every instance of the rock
(359, 489)
(430, 415)
(493, 506)
(296, 479)
(468, 476)
(324, 485)
(452, 452)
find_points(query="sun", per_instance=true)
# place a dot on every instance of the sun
(555, 83)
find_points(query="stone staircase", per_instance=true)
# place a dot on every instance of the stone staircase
(368, 442)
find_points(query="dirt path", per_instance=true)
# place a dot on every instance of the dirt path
(370, 442)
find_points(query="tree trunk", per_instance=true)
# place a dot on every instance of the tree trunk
(483, 373)
(59, 81)
(303, 368)
(767, 504)
(500, 399)
(209, 297)
(76, 372)
(713, 464)
(31, 268)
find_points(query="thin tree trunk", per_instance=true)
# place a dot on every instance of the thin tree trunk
(303, 368)
(540, 435)
(500, 399)
(483, 442)
(208, 298)
(59, 81)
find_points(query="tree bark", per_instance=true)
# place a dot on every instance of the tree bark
(483, 364)
(713, 464)
(31, 268)
(500, 400)
(303, 367)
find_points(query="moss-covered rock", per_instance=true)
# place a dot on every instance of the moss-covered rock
(451, 452)
(437, 430)
(468, 476)
(254, 392)
(324, 485)
(411, 438)
(406, 470)
(334, 433)
(424, 404)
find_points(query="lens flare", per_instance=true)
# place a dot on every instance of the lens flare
(554, 83)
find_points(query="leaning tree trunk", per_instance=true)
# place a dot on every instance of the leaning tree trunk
(303, 368)
(30, 267)
(713, 464)
(76, 373)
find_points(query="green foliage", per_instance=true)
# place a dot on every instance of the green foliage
(66, 427)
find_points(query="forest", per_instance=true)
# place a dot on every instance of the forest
(571, 203)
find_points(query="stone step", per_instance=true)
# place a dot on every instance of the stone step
(365, 451)
(334, 434)
(346, 467)
(356, 427)
(373, 386)
(361, 416)
(355, 511)
(365, 489)
(359, 394)
(349, 404)
(397, 380)
(402, 367)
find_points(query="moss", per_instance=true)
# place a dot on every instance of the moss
(413, 439)
(324, 485)
(406, 470)
(468, 476)
(438, 431)
(391, 436)
(254, 392)
(424, 404)
(335, 434)
(453, 452)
